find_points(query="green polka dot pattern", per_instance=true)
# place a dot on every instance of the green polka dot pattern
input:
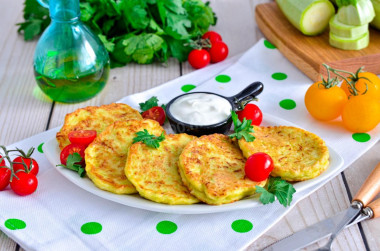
(39, 148)
(288, 104)
(91, 228)
(241, 226)
(269, 45)
(15, 224)
(279, 76)
(361, 137)
(166, 227)
(187, 88)
(223, 78)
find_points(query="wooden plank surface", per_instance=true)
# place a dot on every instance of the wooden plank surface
(26, 112)
(309, 52)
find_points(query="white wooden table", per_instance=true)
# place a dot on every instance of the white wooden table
(25, 112)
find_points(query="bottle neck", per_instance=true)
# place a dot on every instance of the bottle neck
(64, 10)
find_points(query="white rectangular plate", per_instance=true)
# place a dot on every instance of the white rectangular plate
(52, 153)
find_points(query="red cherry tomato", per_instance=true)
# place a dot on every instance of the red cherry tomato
(212, 36)
(258, 166)
(218, 52)
(252, 112)
(5, 175)
(2, 162)
(82, 137)
(31, 164)
(71, 149)
(24, 183)
(156, 113)
(198, 58)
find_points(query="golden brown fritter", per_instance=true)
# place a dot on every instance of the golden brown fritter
(154, 171)
(212, 167)
(94, 118)
(297, 154)
(107, 155)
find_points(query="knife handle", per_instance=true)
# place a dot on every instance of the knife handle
(370, 187)
(373, 209)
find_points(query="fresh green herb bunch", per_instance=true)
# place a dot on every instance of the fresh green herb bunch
(142, 31)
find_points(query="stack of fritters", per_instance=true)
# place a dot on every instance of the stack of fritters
(186, 169)
(94, 118)
(212, 167)
(154, 172)
(107, 155)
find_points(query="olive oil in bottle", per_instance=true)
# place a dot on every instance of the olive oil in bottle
(69, 88)
(71, 64)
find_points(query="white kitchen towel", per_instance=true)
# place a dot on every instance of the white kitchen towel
(62, 216)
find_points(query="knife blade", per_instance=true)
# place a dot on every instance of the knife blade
(316, 232)
(312, 234)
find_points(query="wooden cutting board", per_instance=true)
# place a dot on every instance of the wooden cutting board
(308, 53)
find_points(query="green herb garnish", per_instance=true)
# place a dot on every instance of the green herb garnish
(141, 31)
(152, 102)
(149, 139)
(278, 188)
(242, 129)
(72, 164)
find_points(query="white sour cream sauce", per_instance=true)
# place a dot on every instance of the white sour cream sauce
(201, 109)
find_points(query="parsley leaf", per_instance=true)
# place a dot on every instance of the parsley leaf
(149, 139)
(278, 188)
(242, 129)
(110, 46)
(142, 48)
(72, 164)
(153, 101)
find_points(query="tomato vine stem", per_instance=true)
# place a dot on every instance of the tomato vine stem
(351, 80)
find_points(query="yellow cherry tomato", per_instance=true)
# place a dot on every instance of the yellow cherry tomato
(325, 104)
(361, 113)
(373, 85)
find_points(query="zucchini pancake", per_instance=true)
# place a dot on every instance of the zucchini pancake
(154, 171)
(107, 154)
(94, 118)
(212, 167)
(297, 154)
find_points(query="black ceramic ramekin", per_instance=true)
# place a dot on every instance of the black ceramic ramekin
(237, 103)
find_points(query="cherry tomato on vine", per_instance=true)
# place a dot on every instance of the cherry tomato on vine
(71, 149)
(361, 113)
(24, 183)
(5, 175)
(2, 162)
(325, 104)
(218, 52)
(31, 164)
(199, 58)
(156, 113)
(258, 166)
(373, 85)
(82, 137)
(212, 36)
(252, 112)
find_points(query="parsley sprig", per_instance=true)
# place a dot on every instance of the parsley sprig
(152, 102)
(276, 188)
(72, 164)
(242, 129)
(149, 139)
